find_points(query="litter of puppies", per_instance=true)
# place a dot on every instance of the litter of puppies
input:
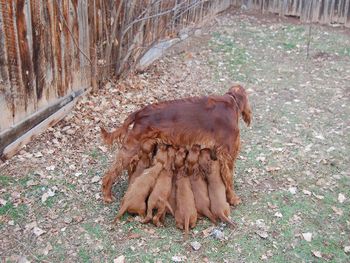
(180, 157)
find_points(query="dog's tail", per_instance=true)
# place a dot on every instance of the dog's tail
(187, 226)
(119, 133)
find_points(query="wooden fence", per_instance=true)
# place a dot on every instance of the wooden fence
(321, 11)
(53, 51)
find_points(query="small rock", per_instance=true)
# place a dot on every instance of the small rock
(11, 223)
(278, 214)
(347, 249)
(120, 259)
(307, 236)
(263, 234)
(196, 245)
(68, 220)
(341, 198)
(293, 190)
(95, 179)
(2, 202)
(216, 233)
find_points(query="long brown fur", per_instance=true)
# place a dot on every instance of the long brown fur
(211, 122)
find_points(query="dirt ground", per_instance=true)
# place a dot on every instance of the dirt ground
(292, 174)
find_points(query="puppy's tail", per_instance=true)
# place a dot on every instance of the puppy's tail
(119, 133)
(224, 218)
(187, 226)
(169, 207)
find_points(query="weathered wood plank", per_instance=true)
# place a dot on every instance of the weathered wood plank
(6, 98)
(16, 145)
(29, 95)
(11, 45)
(10, 135)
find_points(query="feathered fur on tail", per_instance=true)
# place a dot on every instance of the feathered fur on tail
(119, 133)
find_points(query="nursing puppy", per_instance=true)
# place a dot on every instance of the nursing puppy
(134, 200)
(219, 207)
(161, 192)
(185, 213)
(201, 195)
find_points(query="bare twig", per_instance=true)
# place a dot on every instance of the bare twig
(308, 41)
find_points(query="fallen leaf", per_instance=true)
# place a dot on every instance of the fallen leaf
(120, 259)
(46, 195)
(206, 232)
(50, 168)
(317, 254)
(337, 211)
(95, 179)
(341, 198)
(306, 192)
(134, 235)
(38, 154)
(179, 258)
(38, 231)
(272, 168)
(320, 197)
(307, 236)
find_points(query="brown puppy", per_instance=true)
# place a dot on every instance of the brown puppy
(161, 192)
(134, 200)
(201, 195)
(192, 160)
(185, 213)
(178, 163)
(219, 207)
(142, 164)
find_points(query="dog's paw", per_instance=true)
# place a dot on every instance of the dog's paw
(234, 200)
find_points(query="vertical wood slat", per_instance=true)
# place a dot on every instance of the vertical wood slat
(11, 46)
(6, 97)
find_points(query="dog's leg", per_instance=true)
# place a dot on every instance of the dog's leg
(226, 170)
(122, 160)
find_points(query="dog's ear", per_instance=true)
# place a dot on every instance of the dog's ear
(241, 97)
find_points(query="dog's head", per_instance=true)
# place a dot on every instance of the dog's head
(240, 96)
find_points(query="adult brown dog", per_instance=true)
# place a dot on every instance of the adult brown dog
(134, 200)
(219, 207)
(209, 121)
